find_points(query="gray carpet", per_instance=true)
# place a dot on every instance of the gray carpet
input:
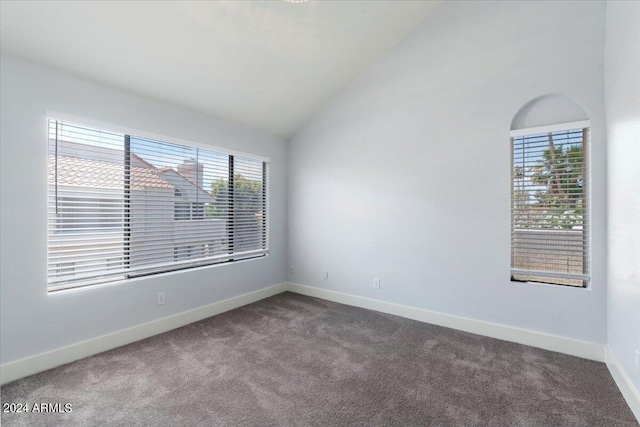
(294, 360)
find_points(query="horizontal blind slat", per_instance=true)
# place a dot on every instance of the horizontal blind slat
(160, 208)
(549, 215)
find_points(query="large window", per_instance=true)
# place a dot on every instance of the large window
(122, 206)
(549, 205)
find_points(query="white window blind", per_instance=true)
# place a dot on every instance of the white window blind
(549, 205)
(122, 206)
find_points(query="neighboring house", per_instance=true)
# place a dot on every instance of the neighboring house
(166, 212)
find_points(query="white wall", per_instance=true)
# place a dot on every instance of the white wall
(622, 96)
(405, 176)
(33, 321)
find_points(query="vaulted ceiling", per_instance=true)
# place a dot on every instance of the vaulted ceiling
(267, 65)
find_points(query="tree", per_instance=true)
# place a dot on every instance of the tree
(559, 175)
(247, 197)
(245, 219)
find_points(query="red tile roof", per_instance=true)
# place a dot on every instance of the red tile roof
(87, 173)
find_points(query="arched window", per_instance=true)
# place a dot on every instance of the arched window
(549, 193)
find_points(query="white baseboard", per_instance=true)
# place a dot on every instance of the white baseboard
(41, 362)
(629, 392)
(569, 346)
(31, 365)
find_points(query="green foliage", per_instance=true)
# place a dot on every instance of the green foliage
(558, 202)
(561, 178)
(247, 197)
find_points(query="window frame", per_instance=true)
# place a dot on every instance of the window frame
(585, 125)
(131, 132)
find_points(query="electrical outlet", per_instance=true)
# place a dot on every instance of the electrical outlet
(325, 275)
(161, 298)
(376, 283)
(636, 360)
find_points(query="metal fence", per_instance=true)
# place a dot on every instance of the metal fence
(559, 251)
